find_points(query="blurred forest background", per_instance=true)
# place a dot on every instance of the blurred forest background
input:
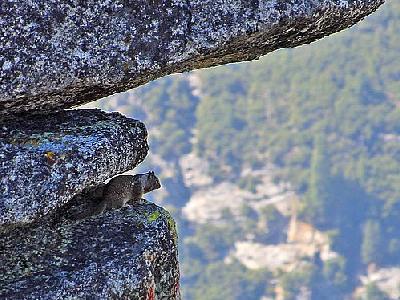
(284, 174)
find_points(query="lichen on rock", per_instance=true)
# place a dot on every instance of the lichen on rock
(121, 254)
(57, 53)
(47, 159)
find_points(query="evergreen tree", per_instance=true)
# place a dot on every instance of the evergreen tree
(317, 199)
(361, 166)
(372, 248)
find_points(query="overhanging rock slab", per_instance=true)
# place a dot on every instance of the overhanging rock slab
(55, 54)
(47, 159)
(129, 253)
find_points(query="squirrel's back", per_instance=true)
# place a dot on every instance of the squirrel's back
(121, 189)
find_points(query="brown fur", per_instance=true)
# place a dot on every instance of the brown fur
(121, 189)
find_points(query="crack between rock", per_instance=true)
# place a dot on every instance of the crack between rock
(188, 38)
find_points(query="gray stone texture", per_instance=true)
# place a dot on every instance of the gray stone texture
(129, 253)
(56, 54)
(47, 159)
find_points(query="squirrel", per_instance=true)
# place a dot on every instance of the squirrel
(119, 191)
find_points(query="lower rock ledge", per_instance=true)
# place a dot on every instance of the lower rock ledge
(129, 253)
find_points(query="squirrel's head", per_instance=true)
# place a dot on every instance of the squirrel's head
(152, 182)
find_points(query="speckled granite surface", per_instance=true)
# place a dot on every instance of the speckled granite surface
(45, 160)
(130, 253)
(55, 54)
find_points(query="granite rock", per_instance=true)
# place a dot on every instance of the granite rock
(130, 253)
(56, 54)
(47, 159)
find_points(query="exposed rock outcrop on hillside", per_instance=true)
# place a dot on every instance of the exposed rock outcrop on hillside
(60, 53)
(46, 160)
(386, 279)
(198, 209)
(122, 254)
